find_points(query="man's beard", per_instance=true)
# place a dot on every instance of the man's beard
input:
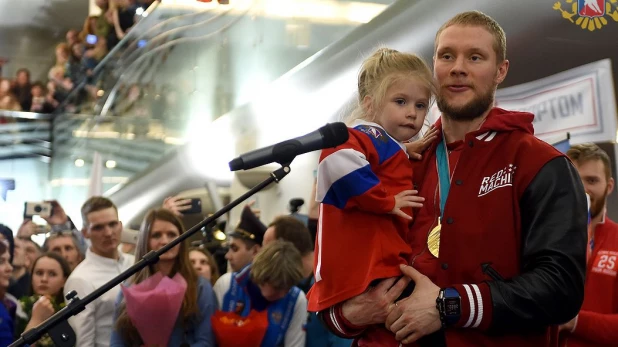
(597, 205)
(472, 110)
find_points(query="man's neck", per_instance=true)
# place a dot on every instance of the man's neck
(594, 221)
(456, 130)
(308, 264)
(19, 272)
(115, 255)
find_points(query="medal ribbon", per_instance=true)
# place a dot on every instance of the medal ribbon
(443, 174)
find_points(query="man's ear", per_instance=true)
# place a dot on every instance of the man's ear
(503, 69)
(85, 233)
(255, 250)
(610, 185)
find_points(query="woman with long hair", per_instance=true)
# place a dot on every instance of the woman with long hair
(8, 307)
(49, 274)
(192, 326)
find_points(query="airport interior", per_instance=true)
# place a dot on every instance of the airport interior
(169, 113)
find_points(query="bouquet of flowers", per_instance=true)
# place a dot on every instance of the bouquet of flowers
(153, 306)
(233, 330)
(27, 302)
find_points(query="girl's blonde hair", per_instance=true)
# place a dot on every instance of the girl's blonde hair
(380, 71)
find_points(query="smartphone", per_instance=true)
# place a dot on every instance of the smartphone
(42, 209)
(129, 236)
(91, 39)
(196, 206)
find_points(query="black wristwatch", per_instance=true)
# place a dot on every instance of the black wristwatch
(448, 304)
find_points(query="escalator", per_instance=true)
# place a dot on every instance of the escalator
(178, 70)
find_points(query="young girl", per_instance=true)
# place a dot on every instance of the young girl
(192, 325)
(365, 185)
(204, 264)
(49, 274)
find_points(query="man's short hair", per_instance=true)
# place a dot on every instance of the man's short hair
(278, 264)
(65, 233)
(477, 18)
(585, 152)
(290, 229)
(94, 204)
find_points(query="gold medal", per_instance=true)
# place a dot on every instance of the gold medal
(433, 240)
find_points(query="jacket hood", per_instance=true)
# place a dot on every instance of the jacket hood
(505, 121)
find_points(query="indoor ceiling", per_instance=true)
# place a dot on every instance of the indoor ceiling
(53, 15)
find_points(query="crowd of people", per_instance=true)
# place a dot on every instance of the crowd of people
(75, 60)
(390, 254)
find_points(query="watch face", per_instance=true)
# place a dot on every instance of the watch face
(452, 306)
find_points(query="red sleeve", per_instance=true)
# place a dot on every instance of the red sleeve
(337, 324)
(346, 179)
(598, 328)
(476, 306)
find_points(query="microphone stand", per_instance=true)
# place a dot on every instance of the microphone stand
(57, 325)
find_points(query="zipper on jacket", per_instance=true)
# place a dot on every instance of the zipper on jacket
(491, 272)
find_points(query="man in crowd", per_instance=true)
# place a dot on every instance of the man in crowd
(66, 244)
(597, 321)
(20, 284)
(499, 254)
(245, 241)
(103, 261)
(290, 229)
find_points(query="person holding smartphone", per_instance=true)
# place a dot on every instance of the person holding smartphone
(180, 206)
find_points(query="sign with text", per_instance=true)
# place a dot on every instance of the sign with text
(580, 101)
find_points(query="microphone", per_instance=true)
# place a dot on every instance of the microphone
(328, 136)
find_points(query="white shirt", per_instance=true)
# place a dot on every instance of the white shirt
(295, 335)
(93, 326)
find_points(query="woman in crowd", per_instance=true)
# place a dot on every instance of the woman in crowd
(204, 264)
(192, 326)
(8, 306)
(49, 274)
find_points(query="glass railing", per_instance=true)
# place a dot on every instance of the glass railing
(186, 72)
(25, 135)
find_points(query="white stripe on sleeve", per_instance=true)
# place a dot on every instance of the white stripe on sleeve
(472, 305)
(479, 317)
(335, 166)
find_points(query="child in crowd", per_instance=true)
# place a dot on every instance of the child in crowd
(49, 274)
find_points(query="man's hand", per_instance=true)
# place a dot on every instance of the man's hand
(372, 306)
(176, 205)
(417, 315)
(569, 326)
(417, 147)
(58, 215)
(26, 229)
(407, 198)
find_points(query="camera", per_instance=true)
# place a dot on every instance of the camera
(43, 209)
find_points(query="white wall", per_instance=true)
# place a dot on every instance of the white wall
(30, 177)
(274, 201)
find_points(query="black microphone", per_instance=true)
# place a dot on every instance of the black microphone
(328, 136)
